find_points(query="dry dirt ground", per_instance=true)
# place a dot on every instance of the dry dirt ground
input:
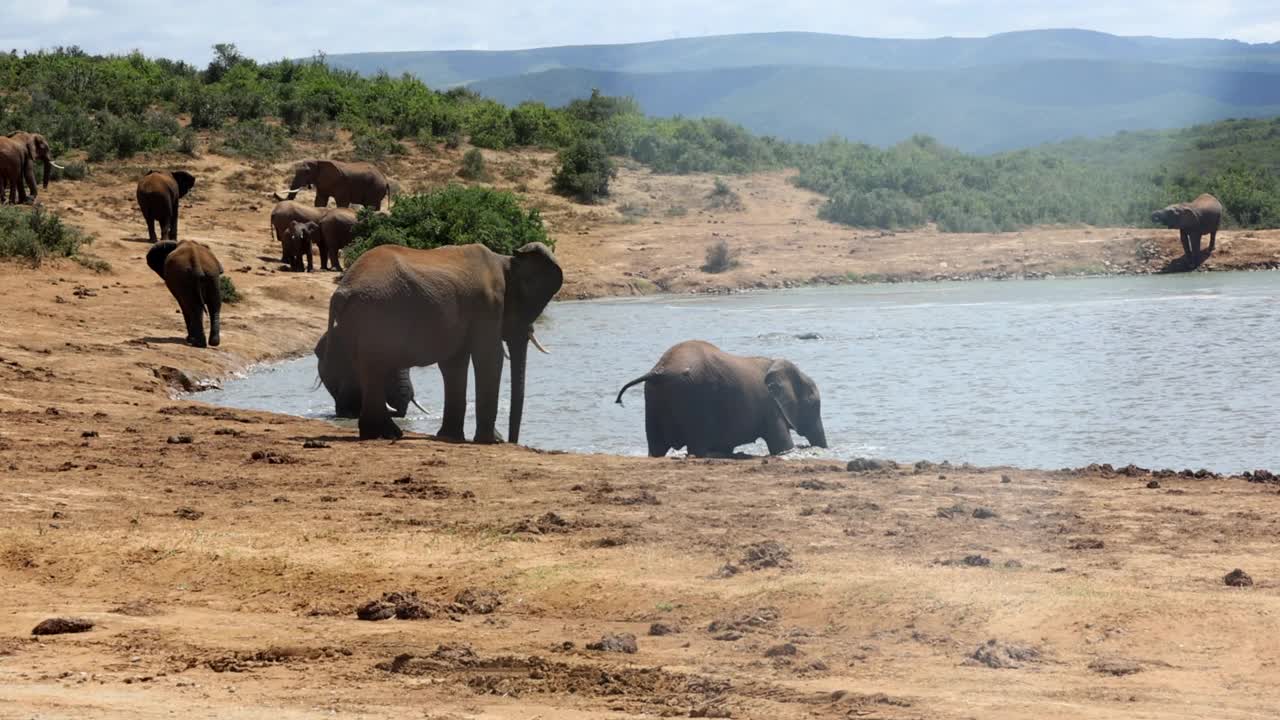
(223, 562)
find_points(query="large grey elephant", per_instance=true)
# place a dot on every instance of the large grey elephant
(398, 307)
(37, 149)
(339, 378)
(1193, 220)
(192, 273)
(333, 232)
(13, 167)
(158, 194)
(283, 216)
(348, 183)
(703, 398)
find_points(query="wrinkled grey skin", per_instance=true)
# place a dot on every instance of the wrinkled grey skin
(710, 401)
(297, 243)
(1193, 220)
(339, 378)
(348, 183)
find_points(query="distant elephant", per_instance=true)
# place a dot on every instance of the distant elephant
(191, 272)
(337, 229)
(1193, 220)
(344, 386)
(703, 398)
(346, 182)
(37, 148)
(297, 243)
(13, 169)
(284, 214)
(398, 307)
(158, 194)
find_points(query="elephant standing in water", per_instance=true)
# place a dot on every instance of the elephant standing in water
(348, 183)
(37, 148)
(398, 307)
(339, 378)
(1194, 220)
(703, 398)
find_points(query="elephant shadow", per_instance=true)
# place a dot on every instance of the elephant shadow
(1184, 263)
(141, 240)
(152, 340)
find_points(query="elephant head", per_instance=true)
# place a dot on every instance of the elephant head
(304, 176)
(1180, 215)
(796, 396)
(185, 181)
(37, 150)
(533, 277)
(338, 377)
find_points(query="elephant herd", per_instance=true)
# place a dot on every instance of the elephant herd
(467, 309)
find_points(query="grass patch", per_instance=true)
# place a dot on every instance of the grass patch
(36, 234)
(227, 289)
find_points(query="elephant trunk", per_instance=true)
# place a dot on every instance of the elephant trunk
(48, 170)
(817, 437)
(519, 349)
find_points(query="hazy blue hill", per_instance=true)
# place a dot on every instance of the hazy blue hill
(445, 68)
(978, 110)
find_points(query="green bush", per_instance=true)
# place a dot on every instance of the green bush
(453, 215)
(720, 258)
(71, 170)
(36, 234)
(376, 145)
(188, 142)
(473, 167)
(585, 171)
(227, 290)
(489, 126)
(255, 139)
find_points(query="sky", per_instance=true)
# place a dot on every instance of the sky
(274, 29)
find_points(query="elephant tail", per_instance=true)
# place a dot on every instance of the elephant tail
(643, 378)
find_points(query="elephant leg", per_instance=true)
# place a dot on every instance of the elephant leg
(454, 371)
(777, 435)
(213, 301)
(192, 313)
(488, 365)
(322, 199)
(151, 227)
(654, 432)
(1195, 247)
(1213, 240)
(173, 223)
(375, 422)
(1186, 242)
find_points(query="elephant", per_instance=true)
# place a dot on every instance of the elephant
(297, 243)
(346, 182)
(284, 214)
(337, 229)
(703, 398)
(13, 169)
(399, 307)
(344, 386)
(37, 148)
(158, 195)
(191, 272)
(1193, 220)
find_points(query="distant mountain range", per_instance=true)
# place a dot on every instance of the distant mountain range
(979, 94)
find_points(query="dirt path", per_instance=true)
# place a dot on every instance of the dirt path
(223, 562)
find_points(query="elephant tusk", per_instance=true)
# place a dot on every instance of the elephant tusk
(56, 165)
(534, 339)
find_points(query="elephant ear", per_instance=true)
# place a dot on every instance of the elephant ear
(534, 279)
(185, 181)
(158, 254)
(779, 379)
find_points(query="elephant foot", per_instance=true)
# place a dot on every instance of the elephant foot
(197, 342)
(380, 429)
(451, 437)
(214, 341)
(492, 437)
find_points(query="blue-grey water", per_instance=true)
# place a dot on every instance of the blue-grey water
(1169, 371)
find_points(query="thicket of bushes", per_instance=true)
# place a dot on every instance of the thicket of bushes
(453, 215)
(33, 234)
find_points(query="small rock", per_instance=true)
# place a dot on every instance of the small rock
(187, 513)
(864, 464)
(1238, 578)
(89, 434)
(1001, 656)
(62, 625)
(180, 440)
(710, 711)
(659, 629)
(375, 610)
(975, 561)
(783, 650)
(1005, 479)
(314, 445)
(1118, 667)
(984, 513)
(1086, 544)
(622, 642)
(1153, 484)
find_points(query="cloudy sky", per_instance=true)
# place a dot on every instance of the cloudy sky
(272, 29)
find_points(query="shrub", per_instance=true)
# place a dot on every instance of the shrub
(227, 290)
(71, 170)
(584, 173)
(720, 257)
(722, 197)
(36, 234)
(376, 145)
(473, 167)
(255, 139)
(188, 142)
(453, 215)
(453, 140)
(489, 125)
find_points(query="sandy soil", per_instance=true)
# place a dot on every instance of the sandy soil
(223, 562)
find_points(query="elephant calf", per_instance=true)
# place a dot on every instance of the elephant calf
(1194, 220)
(297, 241)
(703, 398)
(339, 377)
(158, 195)
(191, 272)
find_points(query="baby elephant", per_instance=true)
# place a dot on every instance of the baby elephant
(158, 195)
(297, 244)
(703, 398)
(1193, 220)
(192, 274)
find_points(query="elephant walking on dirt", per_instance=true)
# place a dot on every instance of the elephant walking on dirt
(398, 307)
(340, 380)
(348, 183)
(703, 398)
(330, 234)
(37, 148)
(13, 169)
(1195, 219)
(158, 194)
(283, 216)
(192, 273)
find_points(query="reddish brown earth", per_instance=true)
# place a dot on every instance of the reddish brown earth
(223, 575)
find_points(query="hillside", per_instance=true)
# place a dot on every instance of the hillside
(999, 108)
(459, 67)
